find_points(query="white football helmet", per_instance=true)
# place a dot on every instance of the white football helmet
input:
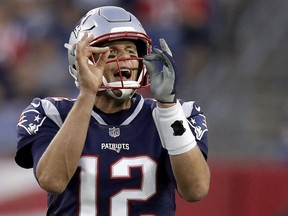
(111, 23)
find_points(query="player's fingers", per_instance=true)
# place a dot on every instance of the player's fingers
(85, 35)
(170, 64)
(164, 46)
(104, 54)
(152, 57)
(83, 50)
(98, 50)
(84, 42)
(151, 68)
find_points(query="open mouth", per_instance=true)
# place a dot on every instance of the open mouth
(125, 73)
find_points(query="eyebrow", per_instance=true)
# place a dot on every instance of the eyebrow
(126, 45)
(125, 48)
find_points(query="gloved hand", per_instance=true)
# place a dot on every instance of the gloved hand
(163, 82)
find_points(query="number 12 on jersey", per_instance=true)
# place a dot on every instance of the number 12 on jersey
(120, 169)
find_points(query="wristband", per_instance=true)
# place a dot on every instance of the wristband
(173, 129)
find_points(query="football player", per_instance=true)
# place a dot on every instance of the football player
(110, 151)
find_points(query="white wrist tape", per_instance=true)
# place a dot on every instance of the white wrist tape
(173, 129)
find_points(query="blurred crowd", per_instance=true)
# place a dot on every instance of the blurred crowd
(210, 40)
(33, 59)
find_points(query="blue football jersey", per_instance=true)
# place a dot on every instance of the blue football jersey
(123, 169)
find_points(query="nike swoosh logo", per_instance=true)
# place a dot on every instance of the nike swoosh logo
(197, 108)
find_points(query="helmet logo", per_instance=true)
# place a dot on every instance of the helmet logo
(78, 29)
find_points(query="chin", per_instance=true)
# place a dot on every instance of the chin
(108, 96)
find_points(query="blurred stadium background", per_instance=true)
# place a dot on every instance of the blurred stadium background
(233, 60)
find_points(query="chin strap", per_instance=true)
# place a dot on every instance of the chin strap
(125, 94)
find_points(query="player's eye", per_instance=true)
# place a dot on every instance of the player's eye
(133, 53)
(128, 52)
(112, 54)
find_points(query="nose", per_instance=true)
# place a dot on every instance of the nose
(123, 55)
(124, 59)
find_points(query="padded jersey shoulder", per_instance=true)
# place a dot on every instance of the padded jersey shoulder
(41, 118)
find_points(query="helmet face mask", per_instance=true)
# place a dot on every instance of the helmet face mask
(123, 83)
(108, 24)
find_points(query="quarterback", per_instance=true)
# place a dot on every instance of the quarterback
(111, 152)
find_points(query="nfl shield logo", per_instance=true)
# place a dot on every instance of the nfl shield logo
(114, 132)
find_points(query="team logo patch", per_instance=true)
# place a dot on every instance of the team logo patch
(199, 128)
(114, 132)
(31, 121)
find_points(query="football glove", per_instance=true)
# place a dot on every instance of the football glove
(163, 82)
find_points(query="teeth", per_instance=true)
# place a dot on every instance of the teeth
(125, 73)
